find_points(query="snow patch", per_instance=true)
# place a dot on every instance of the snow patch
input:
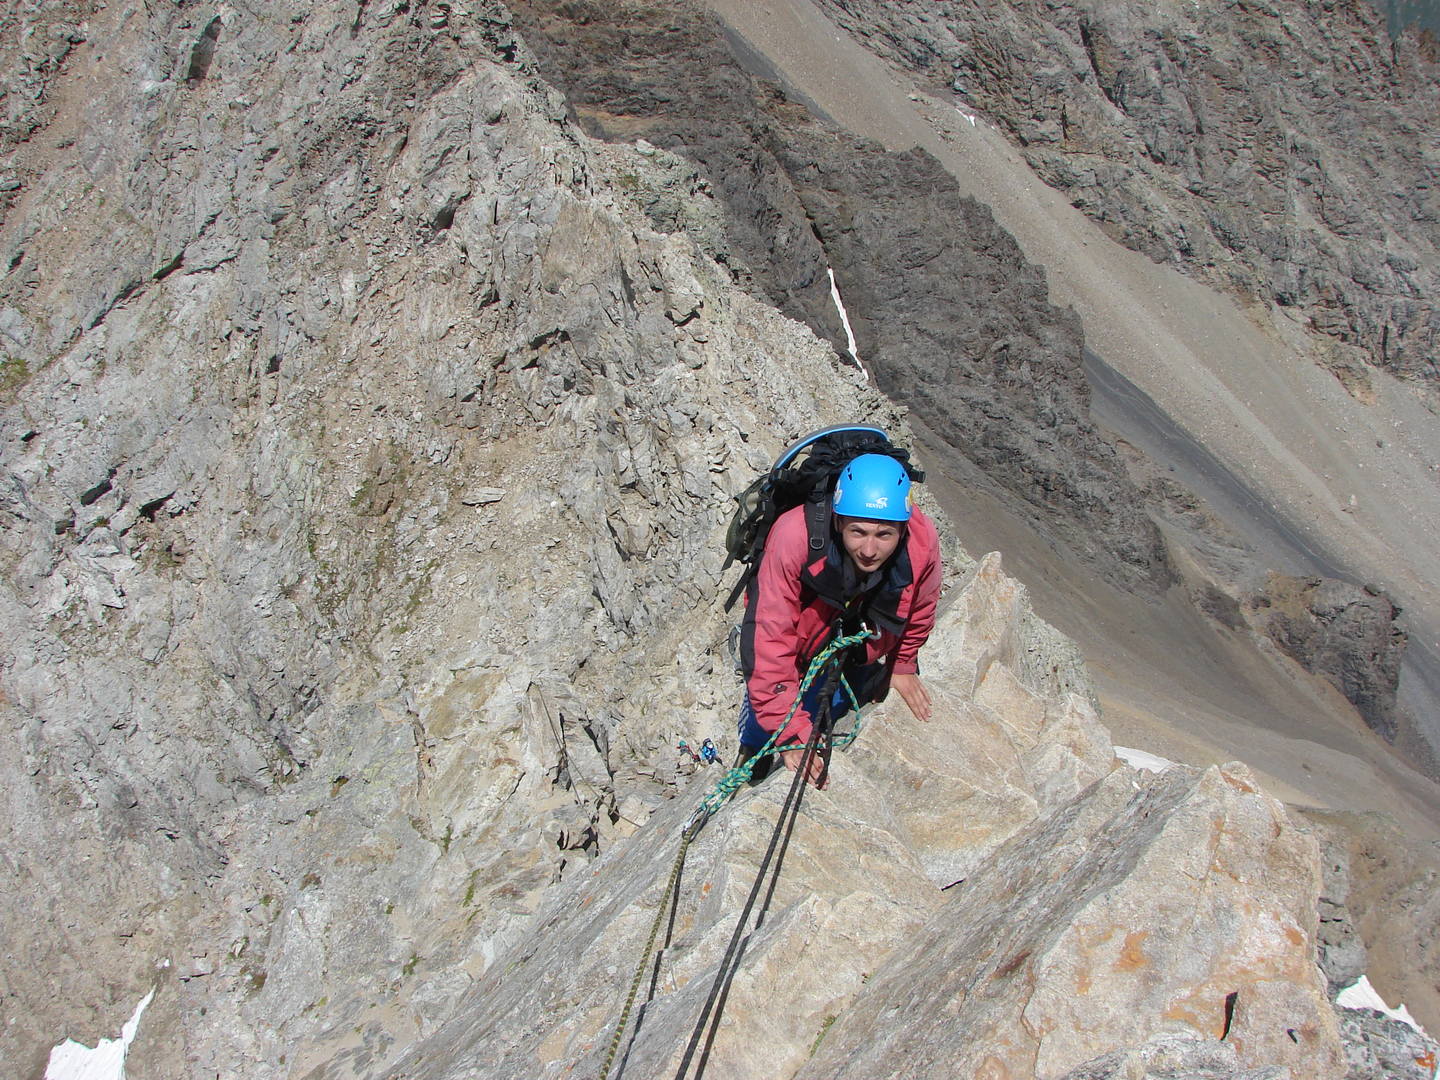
(1139, 759)
(1362, 995)
(71, 1060)
(844, 318)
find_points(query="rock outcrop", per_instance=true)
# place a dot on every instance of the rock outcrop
(1380, 1048)
(1282, 152)
(1391, 896)
(1345, 633)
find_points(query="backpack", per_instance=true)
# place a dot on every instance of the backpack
(804, 475)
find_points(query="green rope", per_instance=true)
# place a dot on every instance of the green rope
(738, 776)
(730, 783)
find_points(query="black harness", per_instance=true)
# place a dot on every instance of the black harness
(872, 599)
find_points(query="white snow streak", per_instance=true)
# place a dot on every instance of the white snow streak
(1139, 759)
(71, 1060)
(844, 318)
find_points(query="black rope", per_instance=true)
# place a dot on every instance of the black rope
(823, 723)
(739, 940)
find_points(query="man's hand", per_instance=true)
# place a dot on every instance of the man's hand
(909, 687)
(814, 774)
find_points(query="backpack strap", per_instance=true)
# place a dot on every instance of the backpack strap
(739, 587)
(817, 528)
(817, 524)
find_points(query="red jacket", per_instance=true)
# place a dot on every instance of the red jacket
(793, 602)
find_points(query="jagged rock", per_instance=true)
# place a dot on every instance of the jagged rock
(1146, 911)
(1394, 903)
(307, 735)
(1380, 1048)
(285, 686)
(1342, 955)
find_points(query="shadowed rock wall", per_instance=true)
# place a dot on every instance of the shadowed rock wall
(1283, 152)
(948, 316)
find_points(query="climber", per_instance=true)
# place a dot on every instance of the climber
(880, 569)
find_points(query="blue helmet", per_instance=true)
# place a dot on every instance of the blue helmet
(873, 487)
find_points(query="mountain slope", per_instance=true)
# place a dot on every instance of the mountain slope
(366, 453)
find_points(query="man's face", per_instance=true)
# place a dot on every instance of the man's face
(869, 543)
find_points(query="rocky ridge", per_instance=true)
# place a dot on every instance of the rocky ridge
(1023, 919)
(362, 496)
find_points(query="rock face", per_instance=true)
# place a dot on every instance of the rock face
(1392, 897)
(364, 457)
(947, 314)
(1342, 951)
(1040, 965)
(1282, 152)
(1081, 908)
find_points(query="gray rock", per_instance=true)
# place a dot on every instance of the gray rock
(1393, 901)
(275, 696)
(1129, 917)
(1379, 1048)
(1342, 954)
(1131, 924)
